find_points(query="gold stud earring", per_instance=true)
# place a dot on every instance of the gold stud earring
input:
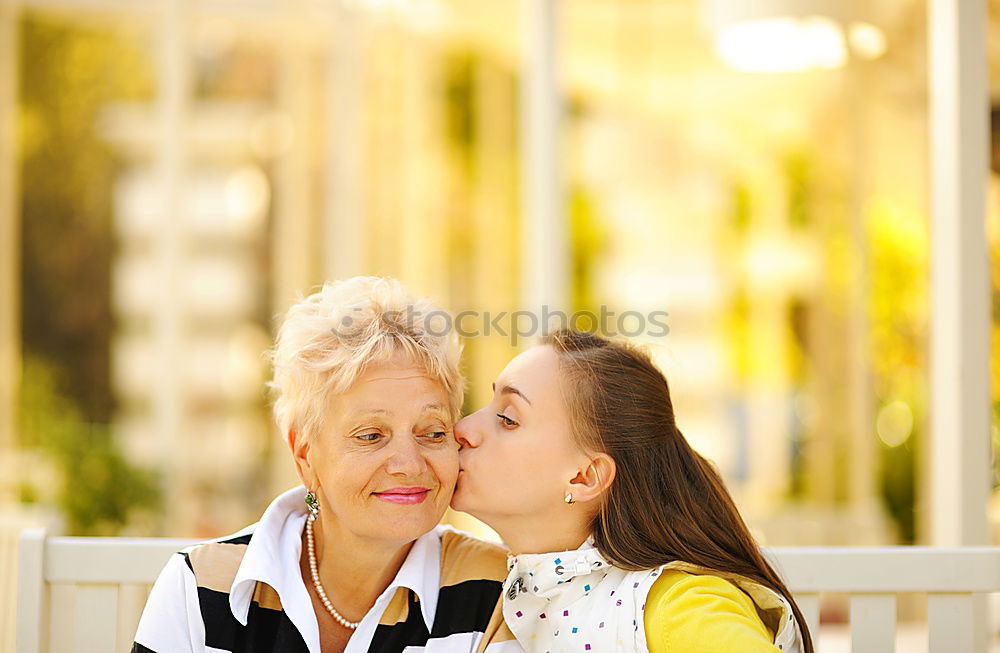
(569, 498)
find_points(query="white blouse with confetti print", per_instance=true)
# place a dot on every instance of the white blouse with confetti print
(577, 601)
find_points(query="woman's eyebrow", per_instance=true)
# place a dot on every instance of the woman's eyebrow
(365, 412)
(511, 390)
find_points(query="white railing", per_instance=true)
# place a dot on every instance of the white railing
(86, 594)
(953, 580)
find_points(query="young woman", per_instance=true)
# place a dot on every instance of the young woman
(622, 537)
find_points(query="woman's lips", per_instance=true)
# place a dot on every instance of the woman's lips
(406, 496)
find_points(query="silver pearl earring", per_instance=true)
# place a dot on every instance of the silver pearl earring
(569, 498)
(313, 504)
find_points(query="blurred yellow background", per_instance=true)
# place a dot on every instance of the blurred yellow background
(182, 170)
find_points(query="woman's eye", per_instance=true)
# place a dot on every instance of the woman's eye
(506, 421)
(369, 437)
(437, 436)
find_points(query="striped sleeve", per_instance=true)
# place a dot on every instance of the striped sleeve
(171, 621)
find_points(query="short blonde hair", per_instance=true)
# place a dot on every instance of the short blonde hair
(327, 340)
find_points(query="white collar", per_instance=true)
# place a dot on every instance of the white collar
(273, 554)
(549, 575)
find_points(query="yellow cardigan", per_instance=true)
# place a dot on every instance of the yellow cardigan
(686, 613)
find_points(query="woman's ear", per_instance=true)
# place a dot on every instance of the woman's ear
(300, 454)
(593, 480)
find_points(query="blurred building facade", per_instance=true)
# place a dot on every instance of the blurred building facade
(174, 174)
(781, 221)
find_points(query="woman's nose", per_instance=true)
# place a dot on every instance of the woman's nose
(466, 433)
(406, 459)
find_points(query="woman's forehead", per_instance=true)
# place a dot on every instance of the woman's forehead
(391, 408)
(535, 371)
(383, 385)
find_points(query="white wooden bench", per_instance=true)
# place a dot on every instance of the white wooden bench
(84, 594)
(108, 580)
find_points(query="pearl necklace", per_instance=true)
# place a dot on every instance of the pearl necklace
(351, 625)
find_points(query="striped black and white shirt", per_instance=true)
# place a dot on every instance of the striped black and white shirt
(244, 593)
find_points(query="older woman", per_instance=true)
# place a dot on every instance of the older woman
(367, 391)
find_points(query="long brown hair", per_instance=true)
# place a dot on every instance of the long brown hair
(667, 502)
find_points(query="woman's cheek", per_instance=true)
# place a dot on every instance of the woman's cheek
(445, 465)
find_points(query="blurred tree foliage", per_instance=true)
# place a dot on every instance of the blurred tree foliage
(459, 127)
(898, 306)
(97, 487)
(587, 233)
(588, 236)
(69, 74)
(898, 310)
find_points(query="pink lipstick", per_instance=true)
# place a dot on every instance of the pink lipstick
(405, 496)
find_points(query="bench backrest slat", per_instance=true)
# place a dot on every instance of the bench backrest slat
(951, 623)
(873, 623)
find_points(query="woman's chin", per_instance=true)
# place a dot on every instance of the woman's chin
(405, 526)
